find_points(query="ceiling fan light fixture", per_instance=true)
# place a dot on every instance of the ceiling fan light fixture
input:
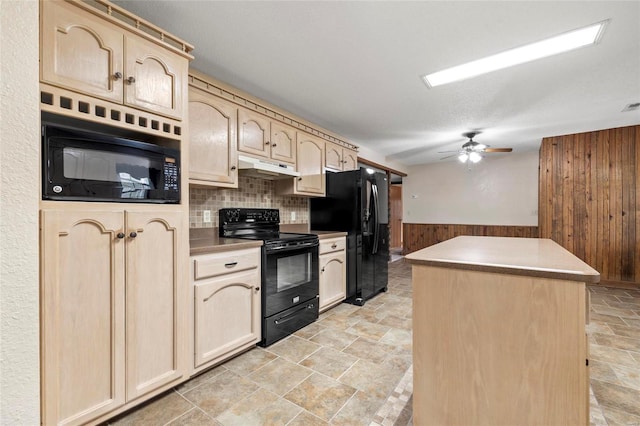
(474, 157)
(480, 147)
(548, 47)
(463, 157)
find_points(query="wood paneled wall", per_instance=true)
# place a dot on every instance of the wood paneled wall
(589, 199)
(421, 235)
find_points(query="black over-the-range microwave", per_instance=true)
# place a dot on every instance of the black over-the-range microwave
(82, 165)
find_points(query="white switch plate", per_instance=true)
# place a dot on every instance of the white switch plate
(206, 216)
(293, 215)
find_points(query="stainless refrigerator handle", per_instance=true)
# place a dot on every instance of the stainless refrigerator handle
(376, 235)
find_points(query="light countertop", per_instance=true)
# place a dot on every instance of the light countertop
(520, 256)
(206, 240)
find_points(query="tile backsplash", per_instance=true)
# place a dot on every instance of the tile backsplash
(251, 193)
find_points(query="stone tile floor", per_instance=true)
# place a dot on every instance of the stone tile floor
(348, 368)
(353, 367)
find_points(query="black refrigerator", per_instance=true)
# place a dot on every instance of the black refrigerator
(357, 202)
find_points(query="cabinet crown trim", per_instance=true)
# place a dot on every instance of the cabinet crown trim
(128, 20)
(218, 90)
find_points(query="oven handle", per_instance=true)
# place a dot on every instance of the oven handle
(291, 316)
(291, 248)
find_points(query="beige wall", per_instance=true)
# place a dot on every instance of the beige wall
(499, 190)
(19, 193)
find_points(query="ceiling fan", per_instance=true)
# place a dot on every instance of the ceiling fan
(472, 151)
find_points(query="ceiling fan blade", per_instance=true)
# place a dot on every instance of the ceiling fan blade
(444, 152)
(498, 149)
(449, 156)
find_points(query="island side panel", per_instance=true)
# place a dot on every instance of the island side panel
(498, 349)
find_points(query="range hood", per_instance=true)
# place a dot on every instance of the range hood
(265, 169)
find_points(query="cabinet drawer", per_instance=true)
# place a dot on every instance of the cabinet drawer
(212, 265)
(332, 244)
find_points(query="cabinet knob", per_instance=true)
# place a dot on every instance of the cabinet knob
(334, 245)
(300, 178)
(233, 168)
(267, 143)
(257, 289)
(131, 80)
(133, 234)
(322, 270)
(117, 75)
(120, 235)
(274, 145)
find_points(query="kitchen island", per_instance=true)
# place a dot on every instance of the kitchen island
(499, 333)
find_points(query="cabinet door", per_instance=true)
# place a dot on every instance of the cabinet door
(154, 289)
(79, 51)
(82, 315)
(154, 79)
(349, 159)
(333, 156)
(253, 133)
(212, 140)
(227, 315)
(310, 165)
(283, 143)
(332, 279)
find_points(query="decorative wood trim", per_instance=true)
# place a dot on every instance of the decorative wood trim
(61, 101)
(589, 201)
(381, 167)
(125, 19)
(420, 235)
(210, 85)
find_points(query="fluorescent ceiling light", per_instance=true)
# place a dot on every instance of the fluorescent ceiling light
(530, 52)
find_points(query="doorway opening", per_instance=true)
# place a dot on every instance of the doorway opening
(395, 217)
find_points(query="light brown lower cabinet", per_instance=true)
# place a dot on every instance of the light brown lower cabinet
(333, 272)
(227, 310)
(111, 310)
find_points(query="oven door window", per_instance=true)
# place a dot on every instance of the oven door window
(290, 278)
(293, 271)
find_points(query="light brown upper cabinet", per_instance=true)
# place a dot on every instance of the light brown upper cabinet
(311, 181)
(85, 53)
(213, 159)
(338, 158)
(283, 143)
(349, 159)
(261, 137)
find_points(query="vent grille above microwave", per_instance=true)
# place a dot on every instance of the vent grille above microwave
(87, 108)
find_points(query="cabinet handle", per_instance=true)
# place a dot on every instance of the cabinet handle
(233, 168)
(334, 245)
(120, 235)
(230, 264)
(131, 80)
(133, 234)
(117, 75)
(274, 145)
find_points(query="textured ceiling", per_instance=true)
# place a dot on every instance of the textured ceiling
(354, 67)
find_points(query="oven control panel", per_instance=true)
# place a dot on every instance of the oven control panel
(271, 216)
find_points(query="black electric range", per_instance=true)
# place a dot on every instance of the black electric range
(289, 269)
